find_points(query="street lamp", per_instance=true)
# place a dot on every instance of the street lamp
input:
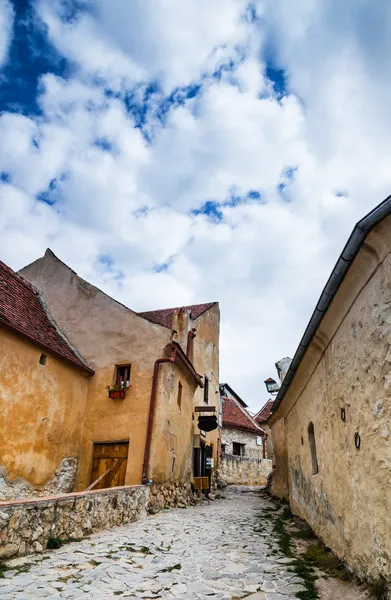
(272, 386)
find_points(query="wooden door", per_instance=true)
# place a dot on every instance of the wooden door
(112, 458)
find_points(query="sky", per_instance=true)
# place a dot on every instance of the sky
(177, 153)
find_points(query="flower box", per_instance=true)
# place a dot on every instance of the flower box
(115, 394)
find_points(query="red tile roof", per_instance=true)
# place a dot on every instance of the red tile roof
(22, 309)
(164, 316)
(264, 413)
(236, 416)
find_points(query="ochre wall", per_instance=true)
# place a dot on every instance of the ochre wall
(269, 441)
(42, 408)
(280, 484)
(348, 365)
(107, 334)
(206, 362)
(172, 432)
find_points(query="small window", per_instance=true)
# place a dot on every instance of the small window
(179, 396)
(206, 390)
(223, 447)
(237, 449)
(43, 359)
(122, 376)
(312, 443)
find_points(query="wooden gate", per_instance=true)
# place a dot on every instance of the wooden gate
(111, 457)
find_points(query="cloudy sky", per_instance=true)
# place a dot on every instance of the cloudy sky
(185, 151)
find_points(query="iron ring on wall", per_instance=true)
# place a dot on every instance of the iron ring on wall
(357, 440)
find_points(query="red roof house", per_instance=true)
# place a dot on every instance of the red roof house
(165, 316)
(263, 415)
(236, 416)
(23, 310)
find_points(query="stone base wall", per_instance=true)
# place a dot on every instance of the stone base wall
(170, 495)
(61, 482)
(27, 525)
(240, 470)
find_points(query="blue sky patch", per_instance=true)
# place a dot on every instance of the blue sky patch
(31, 56)
(211, 209)
(104, 144)
(5, 176)
(278, 79)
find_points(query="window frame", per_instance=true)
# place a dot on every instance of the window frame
(117, 374)
(241, 448)
(206, 389)
(179, 396)
(313, 452)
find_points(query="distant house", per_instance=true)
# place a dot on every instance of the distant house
(243, 450)
(119, 410)
(261, 419)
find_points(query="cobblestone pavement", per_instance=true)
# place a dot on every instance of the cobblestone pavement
(208, 552)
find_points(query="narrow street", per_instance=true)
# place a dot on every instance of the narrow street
(225, 550)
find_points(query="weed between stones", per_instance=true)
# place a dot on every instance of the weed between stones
(169, 569)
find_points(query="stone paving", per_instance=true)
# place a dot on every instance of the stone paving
(210, 552)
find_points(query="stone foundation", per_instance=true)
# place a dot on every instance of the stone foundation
(170, 495)
(27, 525)
(241, 470)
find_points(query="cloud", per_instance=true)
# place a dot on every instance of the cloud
(6, 27)
(198, 152)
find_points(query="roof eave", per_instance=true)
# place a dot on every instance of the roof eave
(347, 256)
(75, 363)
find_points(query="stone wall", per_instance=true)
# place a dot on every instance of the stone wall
(170, 495)
(27, 525)
(342, 392)
(249, 439)
(240, 470)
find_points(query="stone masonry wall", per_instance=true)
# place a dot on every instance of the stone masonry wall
(170, 494)
(230, 435)
(27, 525)
(240, 470)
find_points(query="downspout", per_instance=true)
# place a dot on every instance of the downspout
(190, 337)
(152, 405)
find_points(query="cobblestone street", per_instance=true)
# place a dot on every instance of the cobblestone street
(202, 552)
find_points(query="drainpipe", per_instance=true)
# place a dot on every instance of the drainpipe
(152, 404)
(190, 337)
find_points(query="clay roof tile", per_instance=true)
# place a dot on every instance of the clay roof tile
(236, 416)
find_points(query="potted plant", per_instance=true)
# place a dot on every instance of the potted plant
(118, 390)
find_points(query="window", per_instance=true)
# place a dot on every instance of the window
(237, 449)
(179, 396)
(42, 359)
(206, 390)
(123, 375)
(311, 439)
(223, 446)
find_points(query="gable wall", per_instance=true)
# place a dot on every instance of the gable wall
(106, 334)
